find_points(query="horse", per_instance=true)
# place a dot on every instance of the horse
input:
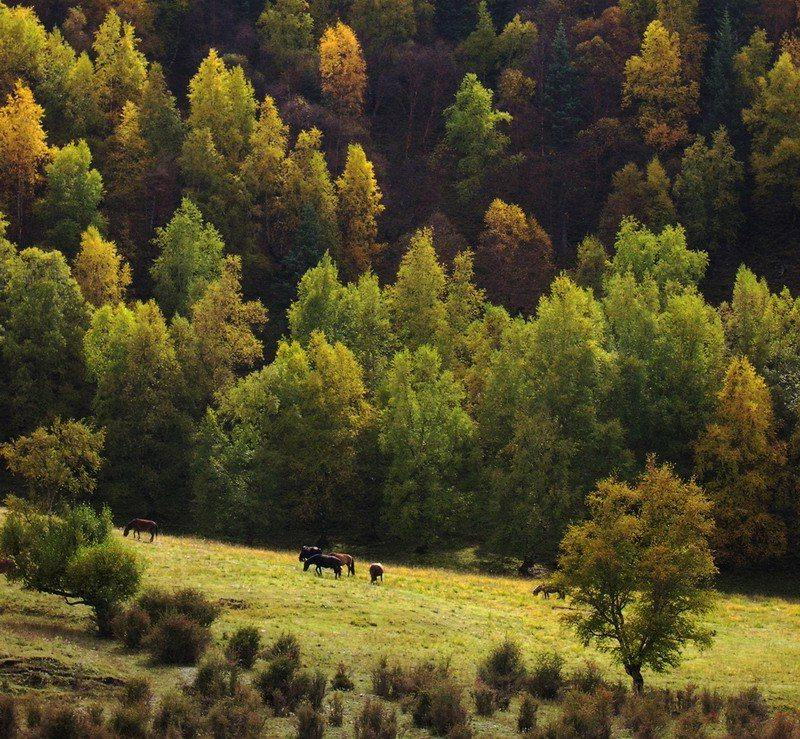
(141, 524)
(375, 572)
(324, 560)
(7, 566)
(347, 559)
(546, 589)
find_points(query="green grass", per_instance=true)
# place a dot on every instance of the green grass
(418, 612)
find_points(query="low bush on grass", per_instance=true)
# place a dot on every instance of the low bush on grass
(690, 725)
(9, 717)
(177, 640)
(526, 720)
(244, 646)
(178, 715)
(485, 699)
(212, 681)
(439, 708)
(587, 678)
(286, 645)
(136, 691)
(503, 669)
(375, 721)
(336, 710)
(188, 602)
(546, 679)
(781, 726)
(237, 716)
(310, 722)
(131, 720)
(745, 712)
(395, 682)
(342, 680)
(283, 686)
(131, 626)
(645, 716)
(62, 721)
(582, 717)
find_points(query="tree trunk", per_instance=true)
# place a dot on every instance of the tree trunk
(635, 672)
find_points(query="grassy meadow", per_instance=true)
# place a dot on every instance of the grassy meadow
(418, 612)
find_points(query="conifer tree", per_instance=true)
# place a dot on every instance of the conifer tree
(723, 92)
(561, 92)
(480, 48)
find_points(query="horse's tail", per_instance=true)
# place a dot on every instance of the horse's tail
(155, 530)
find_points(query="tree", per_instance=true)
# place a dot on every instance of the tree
(102, 274)
(473, 136)
(58, 464)
(139, 400)
(514, 257)
(774, 124)
(23, 152)
(752, 62)
(639, 570)
(739, 460)
(41, 355)
(72, 556)
(724, 95)
(425, 435)
(342, 69)
(416, 300)
(561, 91)
(707, 191)
(22, 42)
(71, 202)
(286, 28)
(656, 84)
(592, 264)
(480, 48)
(382, 25)
(120, 68)
(161, 124)
(189, 257)
(359, 208)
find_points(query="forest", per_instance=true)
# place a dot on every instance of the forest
(413, 271)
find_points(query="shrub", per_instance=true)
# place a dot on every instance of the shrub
(187, 602)
(341, 680)
(212, 680)
(503, 669)
(781, 726)
(177, 640)
(237, 716)
(526, 721)
(485, 699)
(440, 708)
(587, 678)
(310, 722)
(546, 679)
(177, 716)
(375, 721)
(60, 721)
(745, 712)
(586, 716)
(645, 716)
(136, 691)
(711, 703)
(9, 717)
(382, 678)
(244, 646)
(131, 626)
(131, 720)
(460, 732)
(274, 680)
(336, 710)
(690, 725)
(316, 689)
(286, 645)
(396, 682)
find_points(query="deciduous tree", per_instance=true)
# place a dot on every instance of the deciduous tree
(342, 69)
(102, 274)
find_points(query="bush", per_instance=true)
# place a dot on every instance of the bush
(274, 680)
(546, 679)
(187, 602)
(316, 689)
(711, 703)
(586, 716)
(136, 691)
(9, 717)
(587, 678)
(375, 721)
(336, 710)
(485, 699)
(645, 716)
(177, 716)
(178, 640)
(745, 712)
(212, 682)
(460, 732)
(131, 626)
(781, 726)
(503, 669)
(526, 721)
(690, 725)
(237, 716)
(397, 682)
(66, 722)
(131, 720)
(310, 722)
(286, 645)
(440, 709)
(341, 680)
(244, 646)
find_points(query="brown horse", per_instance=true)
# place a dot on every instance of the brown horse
(7, 566)
(375, 572)
(141, 524)
(546, 589)
(347, 560)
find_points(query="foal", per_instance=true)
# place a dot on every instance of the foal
(141, 524)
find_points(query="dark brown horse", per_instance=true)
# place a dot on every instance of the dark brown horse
(375, 572)
(141, 524)
(329, 561)
(346, 559)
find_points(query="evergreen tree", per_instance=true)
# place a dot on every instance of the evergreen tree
(561, 91)
(480, 49)
(723, 92)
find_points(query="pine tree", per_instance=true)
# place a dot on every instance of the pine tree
(479, 49)
(723, 97)
(561, 93)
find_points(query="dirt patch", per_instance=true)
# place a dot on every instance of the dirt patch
(42, 672)
(232, 604)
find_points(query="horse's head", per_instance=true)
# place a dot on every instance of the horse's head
(306, 552)
(538, 589)
(126, 531)
(307, 564)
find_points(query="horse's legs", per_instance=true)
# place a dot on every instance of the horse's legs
(152, 536)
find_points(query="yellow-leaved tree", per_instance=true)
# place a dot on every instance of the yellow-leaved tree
(102, 274)
(342, 69)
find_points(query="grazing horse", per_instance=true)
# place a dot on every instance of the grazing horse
(324, 560)
(546, 589)
(7, 566)
(375, 572)
(141, 524)
(347, 559)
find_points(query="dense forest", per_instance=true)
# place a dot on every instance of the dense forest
(420, 270)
